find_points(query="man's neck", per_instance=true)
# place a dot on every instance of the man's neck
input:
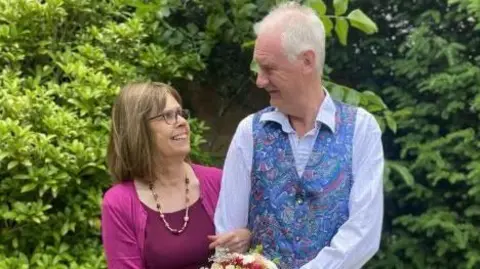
(305, 119)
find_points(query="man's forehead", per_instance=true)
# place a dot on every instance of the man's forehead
(267, 46)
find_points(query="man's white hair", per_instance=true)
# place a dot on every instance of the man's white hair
(301, 30)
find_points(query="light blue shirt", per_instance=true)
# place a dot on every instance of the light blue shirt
(358, 238)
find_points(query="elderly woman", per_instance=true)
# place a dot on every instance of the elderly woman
(160, 212)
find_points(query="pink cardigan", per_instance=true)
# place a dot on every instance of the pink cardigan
(124, 218)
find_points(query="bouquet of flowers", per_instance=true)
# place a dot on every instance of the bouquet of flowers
(225, 260)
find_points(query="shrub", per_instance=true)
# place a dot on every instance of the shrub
(62, 63)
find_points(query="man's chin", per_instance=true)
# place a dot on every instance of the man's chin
(275, 102)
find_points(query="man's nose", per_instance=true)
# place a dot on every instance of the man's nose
(262, 80)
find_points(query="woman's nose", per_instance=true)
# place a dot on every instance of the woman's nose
(181, 120)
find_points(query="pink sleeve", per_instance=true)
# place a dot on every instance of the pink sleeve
(211, 180)
(119, 242)
(216, 180)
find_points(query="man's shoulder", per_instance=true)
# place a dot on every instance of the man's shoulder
(362, 114)
(364, 117)
(343, 105)
(245, 125)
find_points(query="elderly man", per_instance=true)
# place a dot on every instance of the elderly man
(304, 175)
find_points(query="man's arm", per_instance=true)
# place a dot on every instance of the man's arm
(232, 207)
(358, 239)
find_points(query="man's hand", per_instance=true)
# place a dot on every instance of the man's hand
(236, 241)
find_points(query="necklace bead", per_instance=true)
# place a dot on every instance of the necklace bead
(162, 216)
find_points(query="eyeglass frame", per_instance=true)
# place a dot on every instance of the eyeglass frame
(184, 113)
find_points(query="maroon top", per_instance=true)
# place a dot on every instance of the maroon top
(124, 219)
(188, 250)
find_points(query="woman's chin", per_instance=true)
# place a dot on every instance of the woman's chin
(181, 151)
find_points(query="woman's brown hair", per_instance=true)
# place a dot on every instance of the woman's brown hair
(131, 149)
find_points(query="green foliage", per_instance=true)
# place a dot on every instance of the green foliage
(442, 143)
(356, 17)
(425, 64)
(62, 64)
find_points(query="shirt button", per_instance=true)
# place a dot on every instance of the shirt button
(299, 201)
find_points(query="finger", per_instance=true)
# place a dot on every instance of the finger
(221, 240)
(236, 243)
(239, 247)
(213, 237)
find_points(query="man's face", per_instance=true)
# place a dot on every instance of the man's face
(280, 77)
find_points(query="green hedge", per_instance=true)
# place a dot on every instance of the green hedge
(425, 61)
(62, 64)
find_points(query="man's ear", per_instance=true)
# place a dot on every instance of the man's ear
(308, 59)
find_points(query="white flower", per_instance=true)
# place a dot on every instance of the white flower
(230, 267)
(216, 266)
(248, 259)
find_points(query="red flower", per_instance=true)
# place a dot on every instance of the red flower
(237, 261)
(256, 266)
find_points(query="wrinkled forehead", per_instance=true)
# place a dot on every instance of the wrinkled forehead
(268, 47)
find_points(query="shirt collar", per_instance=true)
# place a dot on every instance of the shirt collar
(325, 115)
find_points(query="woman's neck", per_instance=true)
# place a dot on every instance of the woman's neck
(171, 174)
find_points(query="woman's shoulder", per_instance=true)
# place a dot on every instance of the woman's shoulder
(209, 171)
(210, 177)
(119, 194)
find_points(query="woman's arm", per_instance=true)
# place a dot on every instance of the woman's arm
(119, 241)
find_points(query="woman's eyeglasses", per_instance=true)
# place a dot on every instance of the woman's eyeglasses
(171, 116)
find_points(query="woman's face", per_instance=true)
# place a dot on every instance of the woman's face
(171, 129)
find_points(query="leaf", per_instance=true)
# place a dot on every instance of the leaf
(12, 165)
(353, 97)
(248, 44)
(374, 99)
(28, 187)
(27, 163)
(403, 172)
(380, 122)
(163, 12)
(318, 5)
(341, 28)
(254, 66)
(3, 155)
(214, 22)
(247, 10)
(337, 92)
(327, 24)
(473, 210)
(340, 6)
(192, 28)
(205, 49)
(359, 20)
(391, 123)
(21, 176)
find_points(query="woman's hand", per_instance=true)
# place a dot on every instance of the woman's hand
(236, 241)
